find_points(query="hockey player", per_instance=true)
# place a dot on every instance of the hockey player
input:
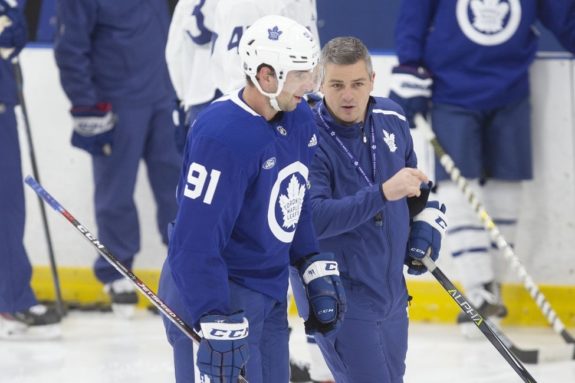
(113, 72)
(364, 188)
(21, 317)
(243, 217)
(202, 49)
(471, 58)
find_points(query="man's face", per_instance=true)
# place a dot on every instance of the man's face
(297, 84)
(346, 89)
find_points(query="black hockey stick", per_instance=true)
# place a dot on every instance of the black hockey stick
(32, 151)
(108, 256)
(496, 236)
(486, 327)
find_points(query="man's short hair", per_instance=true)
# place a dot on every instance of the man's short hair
(344, 51)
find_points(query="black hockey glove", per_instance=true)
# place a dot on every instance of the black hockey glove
(411, 89)
(325, 293)
(427, 231)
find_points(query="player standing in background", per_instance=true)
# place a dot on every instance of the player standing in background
(365, 188)
(243, 217)
(471, 59)
(112, 69)
(21, 317)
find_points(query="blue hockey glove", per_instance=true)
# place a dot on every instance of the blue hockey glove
(427, 230)
(324, 292)
(13, 30)
(411, 89)
(224, 349)
(93, 128)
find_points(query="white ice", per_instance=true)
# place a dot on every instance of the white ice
(98, 347)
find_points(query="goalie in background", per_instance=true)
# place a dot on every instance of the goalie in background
(467, 64)
(21, 317)
(365, 188)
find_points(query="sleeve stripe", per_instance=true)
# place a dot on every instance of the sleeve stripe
(390, 112)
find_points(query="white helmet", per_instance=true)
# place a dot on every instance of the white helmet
(281, 43)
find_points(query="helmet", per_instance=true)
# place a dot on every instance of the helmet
(281, 43)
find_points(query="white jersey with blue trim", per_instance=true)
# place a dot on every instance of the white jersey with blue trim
(242, 195)
(188, 51)
(231, 19)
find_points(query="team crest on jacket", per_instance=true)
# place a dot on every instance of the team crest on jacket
(488, 22)
(286, 201)
(389, 139)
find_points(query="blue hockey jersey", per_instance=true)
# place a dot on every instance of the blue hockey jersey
(479, 51)
(352, 219)
(243, 204)
(113, 51)
(8, 93)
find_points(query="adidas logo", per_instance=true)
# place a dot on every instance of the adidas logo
(312, 141)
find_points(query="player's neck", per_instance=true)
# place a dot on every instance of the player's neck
(258, 102)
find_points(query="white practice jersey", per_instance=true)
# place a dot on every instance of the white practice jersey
(188, 51)
(232, 17)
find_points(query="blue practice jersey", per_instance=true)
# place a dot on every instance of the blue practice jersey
(352, 219)
(8, 94)
(242, 195)
(479, 51)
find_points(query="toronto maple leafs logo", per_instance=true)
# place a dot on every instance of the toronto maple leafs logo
(488, 15)
(274, 33)
(389, 139)
(488, 22)
(292, 202)
(286, 200)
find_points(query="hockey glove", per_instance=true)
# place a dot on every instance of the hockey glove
(325, 294)
(13, 30)
(224, 349)
(427, 231)
(93, 128)
(411, 89)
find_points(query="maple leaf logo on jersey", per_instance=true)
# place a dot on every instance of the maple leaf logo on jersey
(292, 203)
(274, 33)
(389, 139)
(489, 15)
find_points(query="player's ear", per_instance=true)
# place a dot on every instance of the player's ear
(267, 78)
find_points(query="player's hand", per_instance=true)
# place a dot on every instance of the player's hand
(427, 231)
(325, 293)
(94, 128)
(224, 349)
(411, 89)
(13, 30)
(405, 183)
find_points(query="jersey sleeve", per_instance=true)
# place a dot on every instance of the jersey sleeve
(76, 21)
(305, 240)
(333, 216)
(413, 23)
(559, 18)
(210, 196)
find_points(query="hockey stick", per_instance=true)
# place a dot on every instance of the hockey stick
(483, 324)
(32, 151)
(528, 282)
(103, 250)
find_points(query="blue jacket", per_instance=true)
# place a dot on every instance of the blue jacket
(370, 254)
(8, 93)
(113, 51)
(479, 62)
(243, 204)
